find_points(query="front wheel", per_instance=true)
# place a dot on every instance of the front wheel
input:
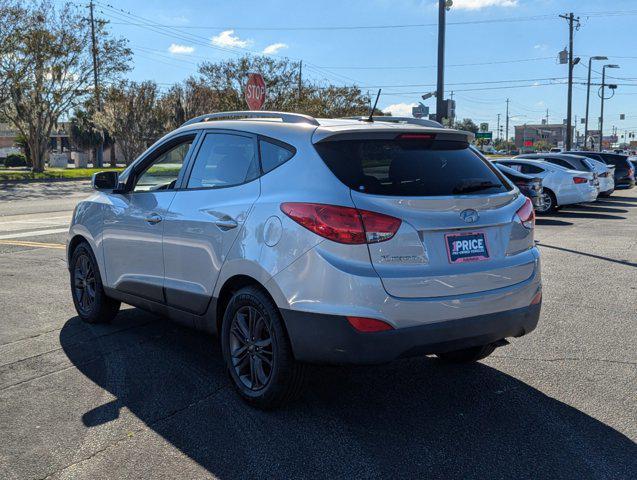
(257, 351)
(91, 303)
(467, 355)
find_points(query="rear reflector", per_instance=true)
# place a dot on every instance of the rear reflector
(342, 224)
(368, 325)
(527, 214)
(579, 180)
(537, 298)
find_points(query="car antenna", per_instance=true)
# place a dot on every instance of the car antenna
(371, 112)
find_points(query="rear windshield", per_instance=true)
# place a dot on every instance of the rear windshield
(617, 160)
(410, 167)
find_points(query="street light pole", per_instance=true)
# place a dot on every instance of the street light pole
(588, 94)
(442, 5)
(601, 115)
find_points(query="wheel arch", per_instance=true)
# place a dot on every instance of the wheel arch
(230, 286)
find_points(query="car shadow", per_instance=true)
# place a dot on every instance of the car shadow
(414, 418)
(551, 222)
(587, 214)
(612, 203)
(591, 255)
(593, 207)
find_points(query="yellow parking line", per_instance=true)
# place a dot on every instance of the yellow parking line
(22, 243)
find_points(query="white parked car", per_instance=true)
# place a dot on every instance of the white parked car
(604, 174)
(561, 186)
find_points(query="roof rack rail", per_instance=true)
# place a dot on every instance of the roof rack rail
(425, 122)
(284, 116)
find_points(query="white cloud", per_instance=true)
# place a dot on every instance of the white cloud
(541, 46)
(177, 49)
(478, 4)
(228, 39)
(400, 109)
(274, 48)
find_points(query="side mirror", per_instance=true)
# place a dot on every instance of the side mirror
(105, 180)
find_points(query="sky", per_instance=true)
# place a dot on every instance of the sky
(495, 49)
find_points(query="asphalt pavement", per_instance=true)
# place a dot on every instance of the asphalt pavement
(144, 398)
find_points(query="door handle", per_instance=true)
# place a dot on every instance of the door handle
(154, 218)
(226, 223)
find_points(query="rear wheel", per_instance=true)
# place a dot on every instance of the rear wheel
(549, 202)
(257, 351)
(91, 303)
(467, 355)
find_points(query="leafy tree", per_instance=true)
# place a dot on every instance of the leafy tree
(542, 146)
(83, 133)
(46, 66)
(132, 115)
(467, 125)
(227, 81)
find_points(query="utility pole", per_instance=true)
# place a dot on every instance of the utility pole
(571, 21)
(99, 154)
(497, 132)
(506, 129)
(440, 87)
(547, 116)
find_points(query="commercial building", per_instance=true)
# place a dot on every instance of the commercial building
(528, 135)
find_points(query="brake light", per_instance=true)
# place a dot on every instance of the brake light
(526, 213)
(342, 224)
(537, 298)
(368, 325)
(579, 180)
(416, 136)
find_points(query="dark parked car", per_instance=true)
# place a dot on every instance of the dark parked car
(529, 185)
(624, 169)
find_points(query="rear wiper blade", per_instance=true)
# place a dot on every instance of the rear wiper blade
(475, 187)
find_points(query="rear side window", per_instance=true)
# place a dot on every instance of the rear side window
(224, 160)
(274, 154)
(406, 167)
(526, 168)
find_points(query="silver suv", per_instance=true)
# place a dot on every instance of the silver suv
(301, 241)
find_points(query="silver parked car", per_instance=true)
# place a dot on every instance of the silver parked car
(299, 241)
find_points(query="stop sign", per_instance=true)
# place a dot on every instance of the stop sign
(255, 91)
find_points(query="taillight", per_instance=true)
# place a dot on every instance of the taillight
(526, 213)
(342, 224)
(579, 180)
(631, 172)
(368, 325)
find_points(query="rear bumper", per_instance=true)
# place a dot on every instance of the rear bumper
(624, 183)
(320, 338)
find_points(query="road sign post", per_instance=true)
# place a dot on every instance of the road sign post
(255, 91)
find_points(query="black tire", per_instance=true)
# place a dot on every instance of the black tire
(252, 334)
(91, 303)
(549, 203)
(467, 355)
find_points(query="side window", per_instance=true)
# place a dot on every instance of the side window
(224, 160)
(162, 173)
(274, 154)
(514, 166)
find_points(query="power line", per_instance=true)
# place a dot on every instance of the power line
(388, 26)
(412, 67)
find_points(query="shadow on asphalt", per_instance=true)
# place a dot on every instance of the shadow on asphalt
(551, 222)
(413, 418)
(591, 255)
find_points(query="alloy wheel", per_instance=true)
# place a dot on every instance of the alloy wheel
(547, 203)
(84, 283)
(251, 348)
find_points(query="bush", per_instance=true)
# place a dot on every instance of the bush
(15, 160)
